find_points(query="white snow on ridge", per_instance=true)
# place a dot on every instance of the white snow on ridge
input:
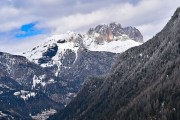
(37, 52)
(44, 114)
(118, 45)
(114, 46)
(25, 95)
(38, 80)
(2, 114)
(67, 41)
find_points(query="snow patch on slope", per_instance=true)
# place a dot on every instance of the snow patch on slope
(73, 41)
(36, 53)
(38, 80)
(2, 114)
(25, 95)
(44, 114)
(114, 46)
(118, 45)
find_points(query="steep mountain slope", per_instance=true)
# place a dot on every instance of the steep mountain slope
(143, 85)
(20, 95)
(53, 73)
(28, 89)
(83, 55)
(108, 38)
(73, 57)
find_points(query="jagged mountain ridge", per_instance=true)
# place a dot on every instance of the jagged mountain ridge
(54, 50)
(114, 31)
(73, 56)
(55, 71)
(143, 84)
(96, 39)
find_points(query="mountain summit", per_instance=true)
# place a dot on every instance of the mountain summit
(108, 38)
(73, 57)
(114, 31)
(52, 73)
(144, 84)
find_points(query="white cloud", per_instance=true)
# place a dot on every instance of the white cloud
(144, 15)
(21, 45)
(59, 16)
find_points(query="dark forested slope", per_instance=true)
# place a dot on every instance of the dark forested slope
(144, 84)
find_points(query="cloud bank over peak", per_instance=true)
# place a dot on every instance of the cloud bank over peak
(59, 16)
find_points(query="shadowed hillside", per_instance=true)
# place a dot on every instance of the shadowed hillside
(143, 85)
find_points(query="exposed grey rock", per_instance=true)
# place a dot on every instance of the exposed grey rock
(133, 33)
(61, 41)
(47, 56)
(108, 32)
(88, 63)
(68, 58)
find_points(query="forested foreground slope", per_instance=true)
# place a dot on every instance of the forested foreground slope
(143, 85)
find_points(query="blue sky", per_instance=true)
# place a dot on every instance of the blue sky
(28, 30)
(20, 29)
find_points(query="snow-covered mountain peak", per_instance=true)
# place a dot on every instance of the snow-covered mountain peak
(107, 37)
(53, 48)
(68, 37)
(119, 44)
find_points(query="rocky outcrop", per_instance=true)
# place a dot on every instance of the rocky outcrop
(113, 31)
(133, 33)
(47, 56)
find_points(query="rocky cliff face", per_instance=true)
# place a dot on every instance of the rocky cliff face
(133, 33)
(114, 31)
(143, 85)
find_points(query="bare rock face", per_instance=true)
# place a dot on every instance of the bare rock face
(114, 30)
(47, 56)
(133, 33)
